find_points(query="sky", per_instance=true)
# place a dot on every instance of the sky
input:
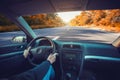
(67, 16)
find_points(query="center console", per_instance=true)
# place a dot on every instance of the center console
(71, 62)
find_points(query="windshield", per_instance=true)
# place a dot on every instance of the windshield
(86, 26)
(102, 26)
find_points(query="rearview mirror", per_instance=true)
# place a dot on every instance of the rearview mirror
(19, 39)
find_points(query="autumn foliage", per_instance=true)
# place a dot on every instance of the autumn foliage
(45, 19)
(104, 19)
(35, 21)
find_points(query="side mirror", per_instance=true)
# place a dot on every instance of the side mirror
(19, 39)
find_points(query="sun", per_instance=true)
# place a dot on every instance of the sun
(67, 16)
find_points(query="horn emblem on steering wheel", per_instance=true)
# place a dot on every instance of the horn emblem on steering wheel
(39, 51)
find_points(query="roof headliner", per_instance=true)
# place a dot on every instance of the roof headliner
(30, 7)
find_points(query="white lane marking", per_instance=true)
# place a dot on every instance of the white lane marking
(56, 38)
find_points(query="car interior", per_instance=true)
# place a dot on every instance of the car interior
(76, 60)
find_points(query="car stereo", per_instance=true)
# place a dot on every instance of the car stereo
(71, 59)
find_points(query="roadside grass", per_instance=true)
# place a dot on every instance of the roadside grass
(43, 26)
(9, 28)
(108, 28)
(15, 28)
(111, 29)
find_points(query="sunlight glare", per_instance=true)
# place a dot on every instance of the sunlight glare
(67, 16)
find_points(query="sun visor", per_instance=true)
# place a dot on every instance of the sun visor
(33, 7)
(103, 4)
(69, 5)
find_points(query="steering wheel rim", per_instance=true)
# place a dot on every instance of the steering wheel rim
(31, 56)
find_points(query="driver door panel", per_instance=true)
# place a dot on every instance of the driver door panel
(10, 54)
(8, 51)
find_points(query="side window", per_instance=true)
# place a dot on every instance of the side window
(8, 30)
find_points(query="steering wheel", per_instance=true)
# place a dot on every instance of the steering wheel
(39, 53)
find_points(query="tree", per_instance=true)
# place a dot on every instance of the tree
(45, 19)
(107, 19)
(83, 19)
(4, 21)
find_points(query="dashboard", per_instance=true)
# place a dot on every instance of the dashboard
(89, 50)
(74, 56)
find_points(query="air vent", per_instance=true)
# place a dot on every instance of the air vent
(73, 46)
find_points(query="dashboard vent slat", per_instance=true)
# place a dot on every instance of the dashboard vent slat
(72, 46)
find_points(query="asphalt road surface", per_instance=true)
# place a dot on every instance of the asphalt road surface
(65, 34)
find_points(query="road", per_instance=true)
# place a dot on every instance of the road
(65, 34)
